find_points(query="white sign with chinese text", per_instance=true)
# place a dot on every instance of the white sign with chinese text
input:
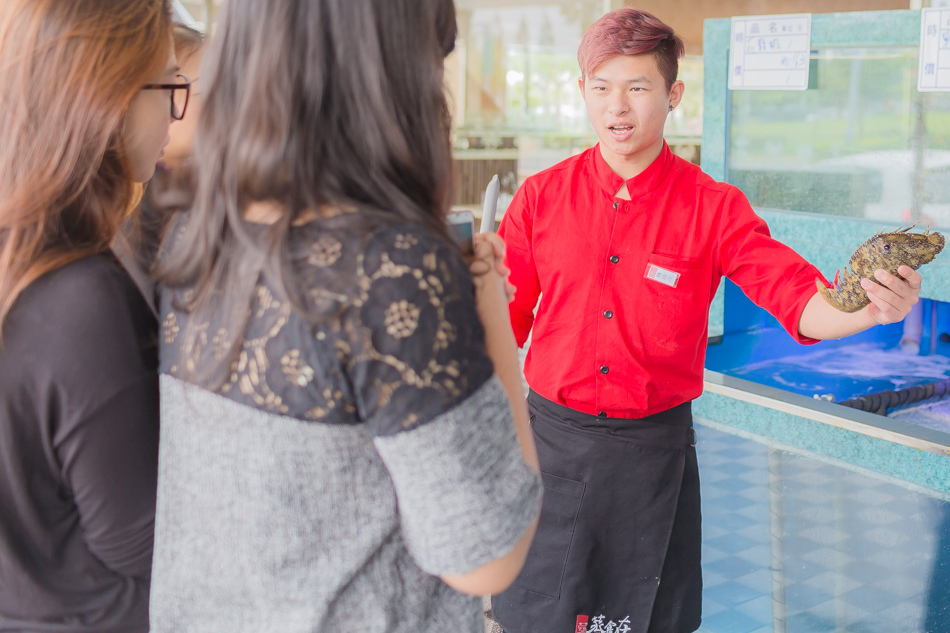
(934, 71)
(770, 52)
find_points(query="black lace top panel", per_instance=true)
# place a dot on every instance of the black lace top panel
(404, 344)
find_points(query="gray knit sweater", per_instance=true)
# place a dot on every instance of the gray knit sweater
(344, 466)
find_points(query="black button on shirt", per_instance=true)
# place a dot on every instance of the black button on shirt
(614, 259)
(604, 369)
(608, 314)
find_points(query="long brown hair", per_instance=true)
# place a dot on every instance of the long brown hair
(309, 104)
(68, 73)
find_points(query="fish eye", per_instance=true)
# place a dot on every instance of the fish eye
(887, 247)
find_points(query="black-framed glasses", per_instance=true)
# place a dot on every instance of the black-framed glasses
(179, 94)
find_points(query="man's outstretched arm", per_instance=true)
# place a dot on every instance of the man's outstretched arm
(890, 303)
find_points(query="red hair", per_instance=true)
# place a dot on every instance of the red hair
(629, 31)
(69, 71)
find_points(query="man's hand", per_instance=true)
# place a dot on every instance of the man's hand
(892, 302)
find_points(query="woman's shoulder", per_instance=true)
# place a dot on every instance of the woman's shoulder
(87, 310)
(386, 250)
(93, 288)
(327, 243)
(404, 235)
(410, 241)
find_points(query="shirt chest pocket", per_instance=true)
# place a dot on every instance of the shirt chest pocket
(674, 305)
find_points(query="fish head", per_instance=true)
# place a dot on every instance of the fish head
(890, 250)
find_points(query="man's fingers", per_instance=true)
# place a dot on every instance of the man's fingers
(878, 291)
(892, 298)
(911, 276)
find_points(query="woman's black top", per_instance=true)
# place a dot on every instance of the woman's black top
(78, 452)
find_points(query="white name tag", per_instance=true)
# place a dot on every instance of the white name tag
(662, 275)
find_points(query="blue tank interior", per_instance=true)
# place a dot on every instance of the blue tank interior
(755, 347)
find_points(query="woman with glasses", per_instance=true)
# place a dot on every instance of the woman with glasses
(189, 48)
(87, 93)
(345, 443)
(171, 189)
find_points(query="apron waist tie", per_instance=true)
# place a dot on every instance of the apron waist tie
(668, 429)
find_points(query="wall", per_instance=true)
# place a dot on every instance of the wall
(687, 16)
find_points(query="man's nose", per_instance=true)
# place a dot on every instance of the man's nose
(618, 103)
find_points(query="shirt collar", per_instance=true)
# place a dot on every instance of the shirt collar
(641, 184)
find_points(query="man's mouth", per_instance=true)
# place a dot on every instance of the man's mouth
(620, 131)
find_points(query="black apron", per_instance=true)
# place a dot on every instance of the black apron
(619, 536)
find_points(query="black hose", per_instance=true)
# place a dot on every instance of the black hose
(881, 401)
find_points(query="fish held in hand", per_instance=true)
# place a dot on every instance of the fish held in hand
(885, 251)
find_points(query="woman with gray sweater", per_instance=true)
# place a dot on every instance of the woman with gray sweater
(345, 444)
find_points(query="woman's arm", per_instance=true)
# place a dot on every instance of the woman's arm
(890, 303)
(110, 464)
(492, 294)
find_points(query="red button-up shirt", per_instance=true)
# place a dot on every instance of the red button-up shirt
(625, 285)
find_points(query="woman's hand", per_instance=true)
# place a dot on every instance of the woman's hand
(489, 255)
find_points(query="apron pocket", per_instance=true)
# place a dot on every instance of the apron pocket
(544, 569)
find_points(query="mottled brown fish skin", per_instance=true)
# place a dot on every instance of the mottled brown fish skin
(886, 251)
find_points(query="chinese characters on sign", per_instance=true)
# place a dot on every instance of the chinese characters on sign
(770, 52)
(934, 71)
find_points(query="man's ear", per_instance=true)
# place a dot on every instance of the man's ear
(580, 84)
(676, 93)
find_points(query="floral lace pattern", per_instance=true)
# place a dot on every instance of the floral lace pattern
(404, 344)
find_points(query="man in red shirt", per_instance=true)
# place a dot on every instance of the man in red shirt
(625, 244)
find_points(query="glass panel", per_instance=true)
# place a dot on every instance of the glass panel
(517, 105)
(684, 127)
(860, 142)
(513, 79)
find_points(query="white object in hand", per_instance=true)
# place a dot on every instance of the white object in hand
(490, 206)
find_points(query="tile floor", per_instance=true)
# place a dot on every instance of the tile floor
(829, 549)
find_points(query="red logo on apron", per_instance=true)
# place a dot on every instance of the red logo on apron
(581, 626)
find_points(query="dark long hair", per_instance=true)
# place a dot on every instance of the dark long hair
(309, 104)
(69, 74)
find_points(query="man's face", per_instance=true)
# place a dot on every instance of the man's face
(627, 103)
